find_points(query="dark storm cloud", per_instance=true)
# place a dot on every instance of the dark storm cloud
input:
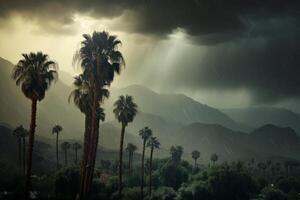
(251, 44)
(221, 20)
(264, 62)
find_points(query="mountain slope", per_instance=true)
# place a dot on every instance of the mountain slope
(174, 107)
(258, 116)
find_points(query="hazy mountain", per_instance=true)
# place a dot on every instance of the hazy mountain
(174, 107)
(263, 143)
(258, 116)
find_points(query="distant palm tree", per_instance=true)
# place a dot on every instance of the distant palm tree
(131, 148)
(100, 60)
(65, 146)
(35, 73)
(153, 143)
(176, 153)
(214, 157)
(195, 156)
(145, 133)
(125, 111)
(76, 146)
(56, 130)
(20, 133)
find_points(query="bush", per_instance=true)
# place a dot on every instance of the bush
(163, 193)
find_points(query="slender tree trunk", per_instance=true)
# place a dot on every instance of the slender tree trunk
(150, 176)
(30, 148)
(24, 153)
(66, 157)
(129, 164)
(83, 168)
(121, 160)
(57, 161)
(92, 140)
(195, 163)
(142, 167)
(19, 152)
(76, 156)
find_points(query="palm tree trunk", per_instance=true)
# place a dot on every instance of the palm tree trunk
(24, 152)
(19, 152)
(66, 157)
(150, 176)
(121, 160)
(129, 164)
(91, 142)
(94, 148)
(30, 147)
(76, 156)
(57, 162)
(142, 179)
(83, 167)
(195, 163)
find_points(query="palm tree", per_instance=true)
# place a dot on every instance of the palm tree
(65, 146)
(76, 146)
(125, 110)
(145, 133)
(176, 153)
(131, 148)
(18, 133)
(35, 73)
(100, 60)
(56, 130)
(214, 157)
(153, 143)
(195, 156)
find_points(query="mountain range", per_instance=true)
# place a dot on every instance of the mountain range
(174, 118)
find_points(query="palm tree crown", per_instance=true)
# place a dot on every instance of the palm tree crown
(20, 132)
(35, 72)
(56, 129)
(76, 145)
(145, 133)
(65, 145)
(125, 109)
(153, 142)
(131, 147)
(195, 154)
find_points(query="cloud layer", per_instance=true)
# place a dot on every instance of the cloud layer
(250, 44)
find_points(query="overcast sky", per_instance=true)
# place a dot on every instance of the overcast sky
(231, 53)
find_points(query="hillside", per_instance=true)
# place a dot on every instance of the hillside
(258, 116)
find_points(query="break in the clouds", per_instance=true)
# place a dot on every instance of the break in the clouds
(237, 44)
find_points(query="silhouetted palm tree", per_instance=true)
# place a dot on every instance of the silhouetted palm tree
(56, 130)
(153, 143)
(176, 153)
(35, 73)
(125, 111)
(214, 157)
(145, 133)
(65, 146)
(100, 60)
(76, 146)
(195, 156)
(131, 148)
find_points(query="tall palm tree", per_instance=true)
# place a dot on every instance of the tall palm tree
(56, 130)
(35, 73)
(100, 60)
(153, 143)
(145, 133)
(76, 146)
(125, 111)
(131, 148)
(65, 146)
(195, 156)
(214, 157)
(18, 133)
